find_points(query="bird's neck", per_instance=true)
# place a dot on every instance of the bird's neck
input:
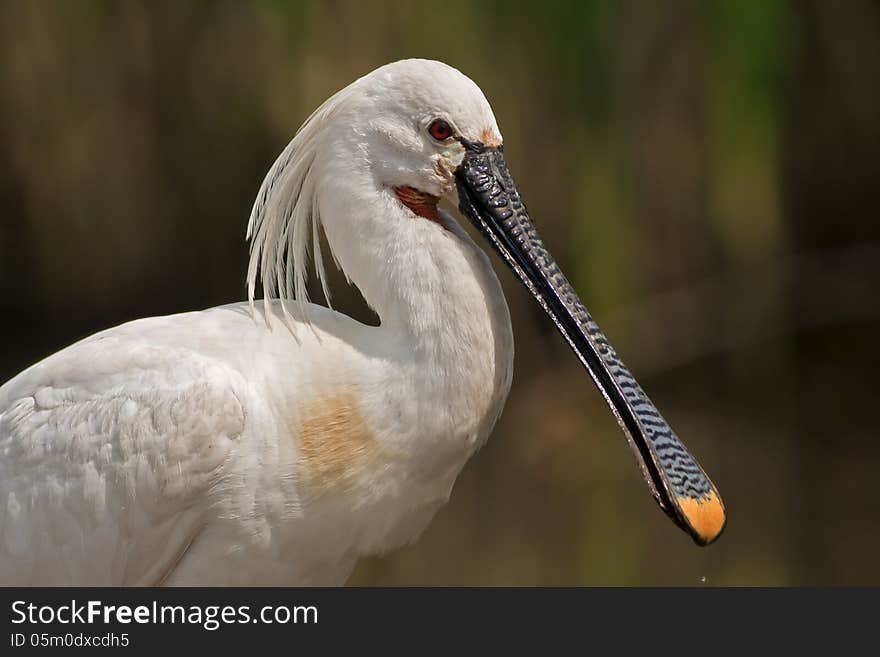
(420, 276)
(437, 297)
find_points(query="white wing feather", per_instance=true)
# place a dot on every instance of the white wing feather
(106, 476)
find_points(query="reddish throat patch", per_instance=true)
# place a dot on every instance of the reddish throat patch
(421, 203)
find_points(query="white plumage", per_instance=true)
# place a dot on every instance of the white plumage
(238, 446)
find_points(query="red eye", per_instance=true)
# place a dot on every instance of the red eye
(440, 130)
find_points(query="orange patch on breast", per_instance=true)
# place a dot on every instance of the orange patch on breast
(706, 516)
(334, 442)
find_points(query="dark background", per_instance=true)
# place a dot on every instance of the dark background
(704, 172)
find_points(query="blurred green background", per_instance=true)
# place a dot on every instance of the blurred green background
(705, 172)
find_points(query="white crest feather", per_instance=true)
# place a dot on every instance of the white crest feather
(285, 220)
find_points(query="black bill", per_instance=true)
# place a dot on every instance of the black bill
(489, 198)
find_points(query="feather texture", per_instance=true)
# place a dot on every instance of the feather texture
(285, 219)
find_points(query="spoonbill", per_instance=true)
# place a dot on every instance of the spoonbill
(274, 441)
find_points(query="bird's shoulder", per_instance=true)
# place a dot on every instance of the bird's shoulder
(112, 375)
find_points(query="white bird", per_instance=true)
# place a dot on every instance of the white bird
(276, 442)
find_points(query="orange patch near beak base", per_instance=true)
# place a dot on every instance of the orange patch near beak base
(705, 516)
(488, 139)
(421, 203)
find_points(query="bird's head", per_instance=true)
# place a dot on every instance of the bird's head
(406, 124)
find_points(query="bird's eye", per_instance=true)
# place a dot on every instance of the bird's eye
(440, 130)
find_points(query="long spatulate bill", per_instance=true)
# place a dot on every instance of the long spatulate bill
(489, 198)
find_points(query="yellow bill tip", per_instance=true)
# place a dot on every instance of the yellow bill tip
(705, 516)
